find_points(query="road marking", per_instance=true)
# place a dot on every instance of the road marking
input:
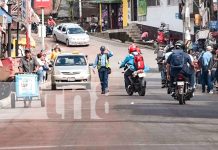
(114, 145)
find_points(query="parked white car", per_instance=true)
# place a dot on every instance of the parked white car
(71, 34)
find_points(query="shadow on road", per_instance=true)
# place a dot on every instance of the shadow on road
(172, 110)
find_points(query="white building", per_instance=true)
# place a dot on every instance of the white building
(161, 11)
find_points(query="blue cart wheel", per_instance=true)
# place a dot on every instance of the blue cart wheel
(42, 98)
(13, 100)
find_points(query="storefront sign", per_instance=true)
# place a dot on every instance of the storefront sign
(142, 7)
(42, 3)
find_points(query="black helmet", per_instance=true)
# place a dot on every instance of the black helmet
(171, 47)
(180, 45)
(102, 48)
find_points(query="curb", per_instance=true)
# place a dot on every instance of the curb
(126, 42)
(5, 102)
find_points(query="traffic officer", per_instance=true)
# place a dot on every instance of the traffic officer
(102, 63)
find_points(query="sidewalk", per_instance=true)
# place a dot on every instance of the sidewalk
(7, 101)
(104, 36)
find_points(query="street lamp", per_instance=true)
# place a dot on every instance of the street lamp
(9, 4)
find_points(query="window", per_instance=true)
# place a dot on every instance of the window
(172, 2)
(63, 29)
(70, 61)
(75, 30)
(153, 2)
(59, 28)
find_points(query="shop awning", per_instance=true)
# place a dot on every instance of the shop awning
(107, 1)
(5, 14)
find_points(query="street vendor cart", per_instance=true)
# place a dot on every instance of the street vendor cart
(26, 89)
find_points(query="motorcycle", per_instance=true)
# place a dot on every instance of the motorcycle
(34, 27)
(182, 91)
(49, 30)
(138, 82)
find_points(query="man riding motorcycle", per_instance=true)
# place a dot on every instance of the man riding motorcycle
(129, 60)
(168, 51)
(177, 63)
(51, 23)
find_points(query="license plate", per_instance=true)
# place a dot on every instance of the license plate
(180, 83)
(71, 79)
(141, 75)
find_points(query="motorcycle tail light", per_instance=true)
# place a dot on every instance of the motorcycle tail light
(180, 77)
(140, 71)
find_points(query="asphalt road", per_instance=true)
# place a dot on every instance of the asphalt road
(81, 119)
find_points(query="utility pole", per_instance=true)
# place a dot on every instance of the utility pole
(187, 21)
(9, 3)
(80, 9)
(42, 28)
(18, 25)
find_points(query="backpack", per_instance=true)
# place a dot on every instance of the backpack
(177, 60)
(160, 37)
(139, 62)
(202, 63)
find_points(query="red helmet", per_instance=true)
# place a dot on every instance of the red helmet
(138, 50)
(132, 48)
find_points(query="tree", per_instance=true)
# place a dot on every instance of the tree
(70, 9)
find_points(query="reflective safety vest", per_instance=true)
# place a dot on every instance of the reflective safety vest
(99, 61)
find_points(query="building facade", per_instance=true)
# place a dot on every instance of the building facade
(155, 12)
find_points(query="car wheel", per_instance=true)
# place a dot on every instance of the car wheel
(55, 38)
(141, 92)
(88, 86)
(67, 43)
(53, 86)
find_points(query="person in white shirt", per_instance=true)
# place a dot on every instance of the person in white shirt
(40, 70)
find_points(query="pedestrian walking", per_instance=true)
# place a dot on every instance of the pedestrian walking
(214, 68)
(40, 70)
(103, 66)
(205, 62)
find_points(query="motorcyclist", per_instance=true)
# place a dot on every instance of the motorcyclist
(129, 60)
(168, 49)
(183, 68)
(51, 23)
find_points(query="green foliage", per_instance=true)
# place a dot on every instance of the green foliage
(70, 9)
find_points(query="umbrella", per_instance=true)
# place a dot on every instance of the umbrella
(22, 41)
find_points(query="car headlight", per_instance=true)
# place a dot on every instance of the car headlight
(87, 39)
(73, 39)
(85, 74)
(57, 72)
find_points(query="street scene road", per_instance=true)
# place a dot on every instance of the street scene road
(86, 119)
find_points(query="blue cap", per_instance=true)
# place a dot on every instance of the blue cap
(102, 48)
